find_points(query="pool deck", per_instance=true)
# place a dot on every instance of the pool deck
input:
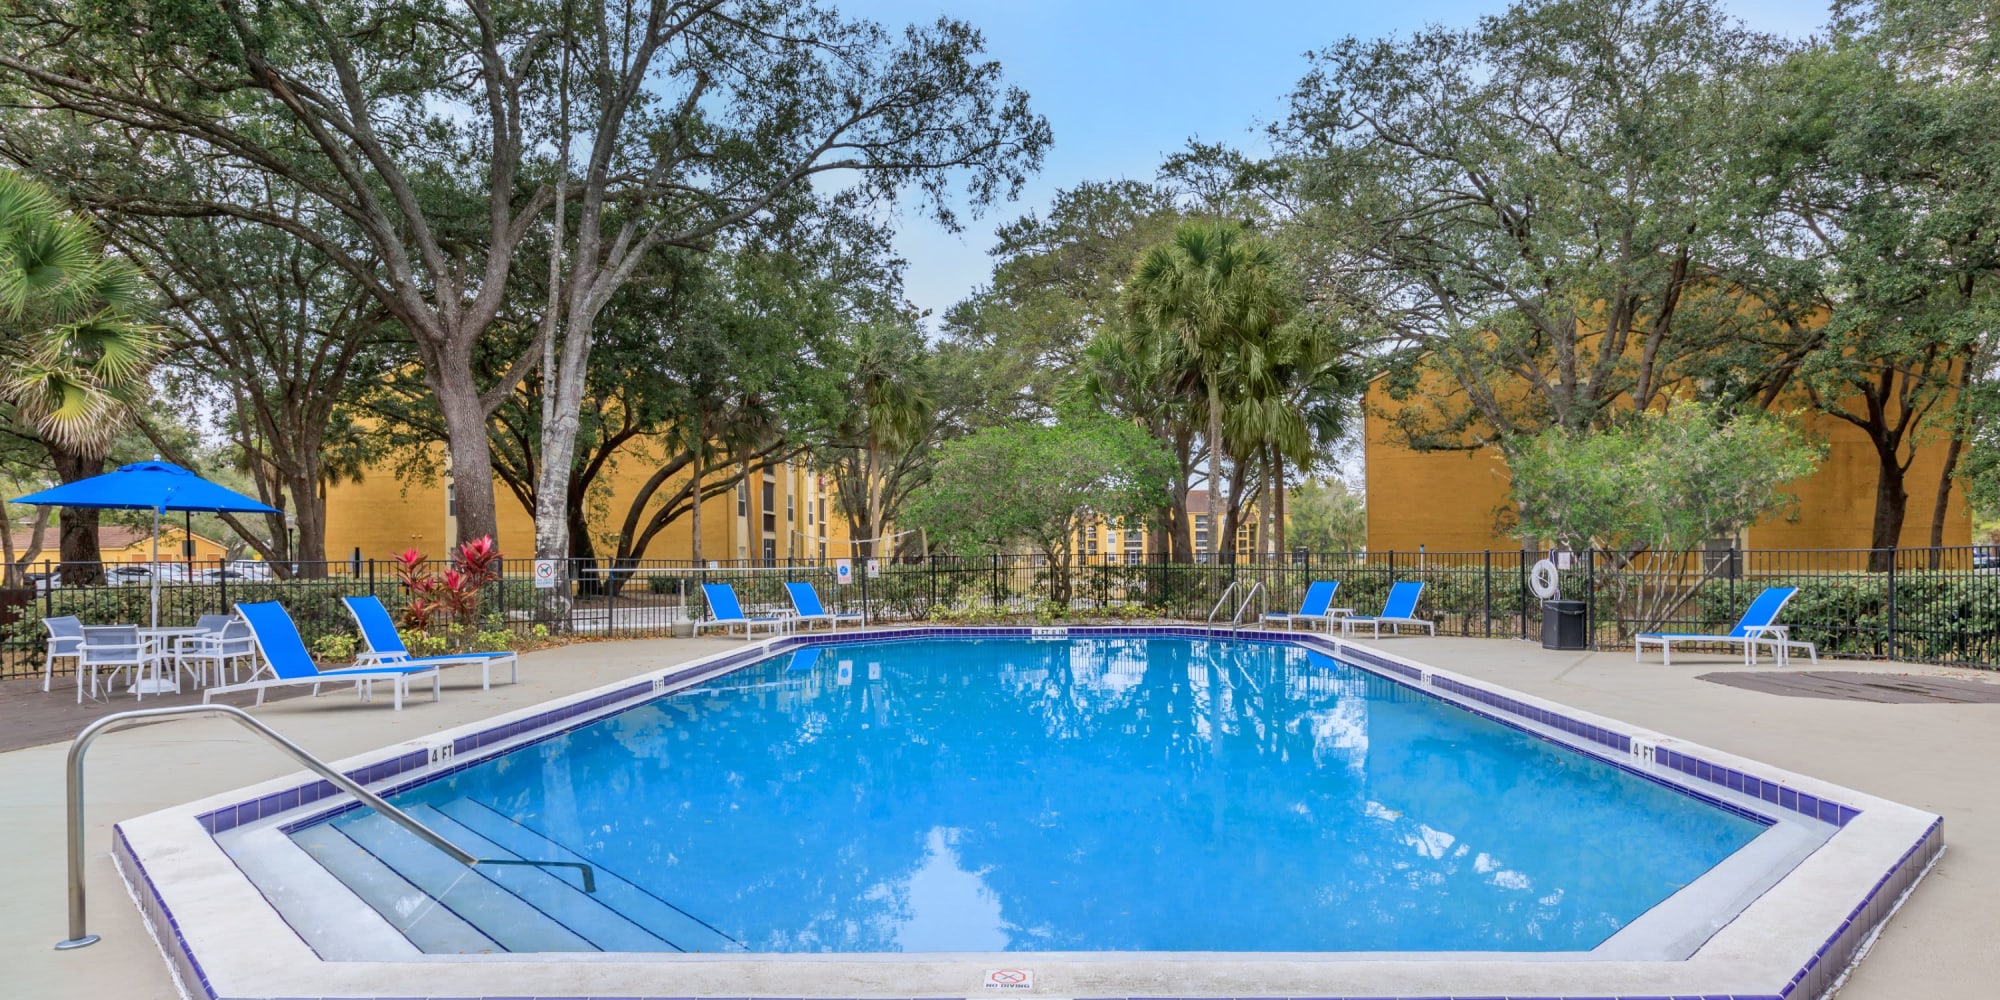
(1944, 758)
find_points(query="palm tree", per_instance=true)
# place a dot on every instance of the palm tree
(889, 415)
(75, 347)
(1291, 389)
(1213, 290)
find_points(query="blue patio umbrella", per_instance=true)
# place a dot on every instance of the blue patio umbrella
(156, 486)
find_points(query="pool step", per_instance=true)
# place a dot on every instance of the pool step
(557, 895)
(665, 921)
(513, 922)
(434, 929)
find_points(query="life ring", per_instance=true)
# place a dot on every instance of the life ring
(1544, 581)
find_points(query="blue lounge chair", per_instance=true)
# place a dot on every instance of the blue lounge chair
(1399, 610)
(728, 614)
(805, 601)
(385, 645)
(287, 664)
(1316, 608)
(1757, 626)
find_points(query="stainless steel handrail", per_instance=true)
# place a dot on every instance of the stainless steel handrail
(1224, 599)
(1256, 591)
(80, 937)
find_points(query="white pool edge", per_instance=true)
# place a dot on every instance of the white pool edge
(1794, 941)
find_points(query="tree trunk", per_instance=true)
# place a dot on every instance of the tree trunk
(1892, 500)
(1942, 505)
(82, 563)
(694, 508)
(309, 514)
(1278, 505)
(471, 453)
(1216, 506)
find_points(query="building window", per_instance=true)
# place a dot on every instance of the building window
(791, 508)
(770, 550)
(1090, 541)
(450, 500)
(743, 499)
(770, 507)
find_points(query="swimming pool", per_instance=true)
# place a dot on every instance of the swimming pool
(1168, 811)
(1009, 794)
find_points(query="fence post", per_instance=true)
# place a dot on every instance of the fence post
(1489, 593)
(48, 590)
(1891, 651)
(996, 581)
(864, 582)
(1590, 596)
(1521, 590)
(611, 601)
(371, 577)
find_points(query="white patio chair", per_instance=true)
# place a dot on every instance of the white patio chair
(65, 640)
(224, 641)
(116, 647)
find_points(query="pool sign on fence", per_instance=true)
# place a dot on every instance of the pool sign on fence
(545, 574)
(874, 568)
(843, 571)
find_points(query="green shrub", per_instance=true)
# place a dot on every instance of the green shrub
(334, 648)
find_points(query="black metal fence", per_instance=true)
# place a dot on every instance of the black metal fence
(1919, 605)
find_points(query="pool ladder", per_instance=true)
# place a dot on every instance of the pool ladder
(1254, 593)
(79, 936)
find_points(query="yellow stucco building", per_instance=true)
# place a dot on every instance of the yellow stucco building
(1452, 501)
(120, 545)
(787, 512)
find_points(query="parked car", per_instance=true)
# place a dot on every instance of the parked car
(123, 576)
(45, 582)
(251, 569)
(1986, 558)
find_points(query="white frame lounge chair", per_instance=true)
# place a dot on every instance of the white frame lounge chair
(808, 609)
(1758, 625)
(1398, 609)
(1316, 606)
(728, 614)
(385, 645)
(284, 658)
(65, 642)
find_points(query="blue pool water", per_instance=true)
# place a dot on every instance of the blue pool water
(1084, 794)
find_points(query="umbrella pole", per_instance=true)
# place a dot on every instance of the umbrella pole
(155, 574)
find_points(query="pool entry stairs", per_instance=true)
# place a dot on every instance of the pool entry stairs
(444, 907)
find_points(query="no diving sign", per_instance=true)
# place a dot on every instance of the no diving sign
(1009, 979)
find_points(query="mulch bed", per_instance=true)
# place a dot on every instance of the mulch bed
(1844, 685)
(30, 718)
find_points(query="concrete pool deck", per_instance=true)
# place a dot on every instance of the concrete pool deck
(1933, 757)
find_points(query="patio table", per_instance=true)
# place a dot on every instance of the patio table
(158, 639)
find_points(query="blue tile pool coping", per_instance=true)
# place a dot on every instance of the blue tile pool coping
(1812, 980)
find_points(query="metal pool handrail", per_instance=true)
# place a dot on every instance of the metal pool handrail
(1236, 617)
(80, 937)
(1224, 599)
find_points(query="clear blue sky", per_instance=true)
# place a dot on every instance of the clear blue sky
(1123, 83)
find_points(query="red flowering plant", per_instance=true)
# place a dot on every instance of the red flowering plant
(450, 597)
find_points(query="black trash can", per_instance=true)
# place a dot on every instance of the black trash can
(1563, 625)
